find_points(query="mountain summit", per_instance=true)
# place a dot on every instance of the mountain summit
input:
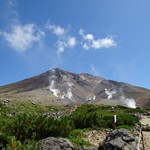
(59, 87)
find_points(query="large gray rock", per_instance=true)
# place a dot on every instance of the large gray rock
(119, 139)
(81, 147)
(52, 143)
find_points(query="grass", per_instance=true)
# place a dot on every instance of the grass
(108, 109)
(15, 107)
(76, 138)
(27, 106)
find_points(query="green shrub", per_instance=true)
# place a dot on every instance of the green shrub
(22, 127)
(126, 119)
(76, 137)
(14, 144)
(86, 120)
(3, 140)
(88, 116)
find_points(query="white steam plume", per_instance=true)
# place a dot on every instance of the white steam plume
(52, 88)
(60, 86)
(68, 91)
(55, 92)
(129, 102)
(125, 101)
(109, 93)
(91, 98)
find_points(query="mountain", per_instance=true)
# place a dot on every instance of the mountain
(58, 87)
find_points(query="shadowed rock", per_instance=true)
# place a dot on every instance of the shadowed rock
(52, 143)
(119, 139)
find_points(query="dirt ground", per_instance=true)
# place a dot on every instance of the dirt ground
(145, 121)
(95, 137)
(146, 138)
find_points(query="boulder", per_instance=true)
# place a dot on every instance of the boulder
(118, 139)
(52, 143)
(81, 147)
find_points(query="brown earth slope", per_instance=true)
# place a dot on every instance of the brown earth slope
(58, 86)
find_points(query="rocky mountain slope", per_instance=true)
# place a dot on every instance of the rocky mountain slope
(58, 87)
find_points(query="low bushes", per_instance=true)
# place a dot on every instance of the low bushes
(34, 127)
(94, 119)
(14, 144)
(25, 130)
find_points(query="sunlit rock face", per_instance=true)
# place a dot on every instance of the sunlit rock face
(85, 88)
(73, 87)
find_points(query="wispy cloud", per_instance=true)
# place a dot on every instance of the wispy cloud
(90, 42)
(21, 37)
(59, 31)
(8, 12)
(94, 70)
(68, 42)
(65, 40)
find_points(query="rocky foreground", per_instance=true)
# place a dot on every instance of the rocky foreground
(84, 127)
(145, 124)
(119, 139)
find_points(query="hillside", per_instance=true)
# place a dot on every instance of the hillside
(58, 87)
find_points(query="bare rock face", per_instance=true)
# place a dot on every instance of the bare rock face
(119, 139)
(52, 143)
(58, 87)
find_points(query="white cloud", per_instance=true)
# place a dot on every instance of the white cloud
(64, 39)
(81, 32)
(59, 31)
(61, 46)
(94, 71)
(68, 42)
(21, 37)
(103, 43)
(71, 41)
(89, 37)
(90, 42)
(85, 46)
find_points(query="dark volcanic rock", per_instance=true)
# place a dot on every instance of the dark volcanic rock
(119, 139)
(52, 143)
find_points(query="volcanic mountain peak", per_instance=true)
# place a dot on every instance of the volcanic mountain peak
(59, 85)
(74, 87)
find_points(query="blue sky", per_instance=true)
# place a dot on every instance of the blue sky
(108, 38)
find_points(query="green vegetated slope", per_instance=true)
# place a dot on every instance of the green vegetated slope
(24, 128)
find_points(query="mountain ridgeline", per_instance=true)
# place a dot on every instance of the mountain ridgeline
(58, 87)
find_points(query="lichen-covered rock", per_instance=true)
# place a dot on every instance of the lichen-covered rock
(119, 139)
(52, 143)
